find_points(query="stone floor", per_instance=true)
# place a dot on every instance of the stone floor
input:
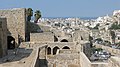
(16, 55)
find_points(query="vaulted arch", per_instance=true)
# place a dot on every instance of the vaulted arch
(65, 47)
(48, 50)
(64, 40)
(55, 49)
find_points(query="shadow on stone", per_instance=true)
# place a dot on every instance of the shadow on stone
(43, 63)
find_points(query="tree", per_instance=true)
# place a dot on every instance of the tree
(29, 14)
(37, 15)
(115, 26)
(113, 36)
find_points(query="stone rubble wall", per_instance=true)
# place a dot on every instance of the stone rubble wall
(16, 22)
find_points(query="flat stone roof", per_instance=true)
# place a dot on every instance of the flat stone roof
(22, 58)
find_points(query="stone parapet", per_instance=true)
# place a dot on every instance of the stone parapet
(109, 49)
(85, 62)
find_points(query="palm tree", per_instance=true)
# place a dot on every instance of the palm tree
(29, 14)
(37, 15)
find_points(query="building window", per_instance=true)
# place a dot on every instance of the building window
(55, 50)
(118, 38)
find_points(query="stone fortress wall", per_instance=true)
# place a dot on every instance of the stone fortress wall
(16, 22)
(3, 37)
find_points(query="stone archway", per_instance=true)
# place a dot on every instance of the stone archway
(64, 40)
(10, 42)
(65, 47)
(55, 50)
(48, 50)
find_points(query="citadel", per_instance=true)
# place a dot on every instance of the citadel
(69, 42)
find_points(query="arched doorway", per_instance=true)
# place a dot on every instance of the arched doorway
(64, 40)
(81, 38)
(10, 42)
(55, 50)
(48, 50)
(65, 47)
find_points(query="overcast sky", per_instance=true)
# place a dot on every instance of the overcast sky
(65, 8)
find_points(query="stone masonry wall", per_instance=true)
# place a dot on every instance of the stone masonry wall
(85, 62)
(81, 35)
(16, 22)
(3, 37)
(71, 45)
(42, 37)
(66, 60)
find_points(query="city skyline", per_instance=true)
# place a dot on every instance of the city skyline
(66, 8)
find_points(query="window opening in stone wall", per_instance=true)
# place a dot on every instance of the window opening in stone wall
(64, 40)
(10, 42)
(65, 47)
(55, 50)
(48, 50)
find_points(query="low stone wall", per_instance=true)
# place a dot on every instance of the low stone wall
(85, 62)
(42, 37)
(64, 51)
(71, 45)
(35, 62)
(109, 49)
(99, 64)
(114, 62)
(65, 60)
